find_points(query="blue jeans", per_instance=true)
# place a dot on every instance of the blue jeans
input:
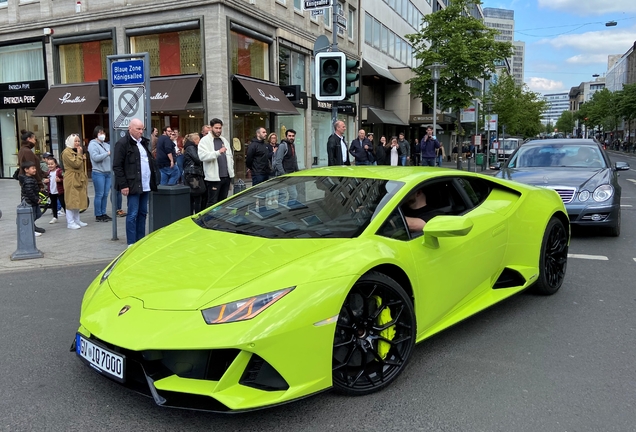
(403, 160)
(428, 161)
(136, 217)
(169, 176)
(259, 179)
(101, 183)
(440, 160)
(180, 160)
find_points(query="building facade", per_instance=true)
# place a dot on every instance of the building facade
(207, 59)
(557, 103)
(503, 20)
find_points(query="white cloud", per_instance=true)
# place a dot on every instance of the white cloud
(584, 59)
(600, 42)
(544, 85)
(589, 7)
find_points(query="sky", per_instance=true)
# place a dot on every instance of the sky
(567, 41)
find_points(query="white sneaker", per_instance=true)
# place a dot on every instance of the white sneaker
(61, 212)
(80, 223)
(37, 234)
(52, 221)
(73, 226)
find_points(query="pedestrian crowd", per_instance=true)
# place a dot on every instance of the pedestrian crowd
(203, 161)
(393, 151)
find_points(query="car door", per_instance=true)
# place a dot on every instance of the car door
(457, 272)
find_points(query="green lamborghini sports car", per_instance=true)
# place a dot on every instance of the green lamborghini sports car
(319, 279)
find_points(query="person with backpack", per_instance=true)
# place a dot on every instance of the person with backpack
(285, 162)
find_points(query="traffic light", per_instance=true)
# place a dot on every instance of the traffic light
(330, 76)
(352, 76)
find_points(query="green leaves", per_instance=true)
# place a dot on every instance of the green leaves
(519, 108)
(464, 44)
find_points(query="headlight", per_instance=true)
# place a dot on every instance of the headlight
(603, 193)
(584, 196)
(242, 310)
(110, 269)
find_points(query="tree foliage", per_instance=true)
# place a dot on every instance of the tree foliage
(464, 44)
(519, 109)
(566, 122)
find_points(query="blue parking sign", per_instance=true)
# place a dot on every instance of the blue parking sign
(128, 72)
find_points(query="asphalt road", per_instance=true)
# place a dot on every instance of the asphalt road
(559, 363)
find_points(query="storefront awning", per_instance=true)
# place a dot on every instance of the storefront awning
(171, 93)
(69, 100)
(372, 69)
(376, 115)
(268, 96)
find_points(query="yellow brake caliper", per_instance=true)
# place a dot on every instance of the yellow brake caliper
(388, 333)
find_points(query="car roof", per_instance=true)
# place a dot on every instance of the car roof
(383, 172)
(563, 141)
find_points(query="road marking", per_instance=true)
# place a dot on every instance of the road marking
(589, 257)
(631, 180)
(626, 205)
(634, 259)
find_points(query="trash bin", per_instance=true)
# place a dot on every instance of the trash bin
(168, 204)
(493, 158)
(479, 159)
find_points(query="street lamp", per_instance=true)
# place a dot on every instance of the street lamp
(435, 72)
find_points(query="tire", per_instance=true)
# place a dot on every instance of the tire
(374, 337)
(615, 231)
(554, 258)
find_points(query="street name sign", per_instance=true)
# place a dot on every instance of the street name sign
(316, 4)
(128, 72)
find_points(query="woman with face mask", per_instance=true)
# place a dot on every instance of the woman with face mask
(99, 151)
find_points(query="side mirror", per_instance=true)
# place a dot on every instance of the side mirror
(445, 226)
(621, 166)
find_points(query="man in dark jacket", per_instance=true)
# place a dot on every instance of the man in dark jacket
(285, 161)
(167, 158)
(337, 151)
(259, 157)
(360, 149)
(135, 177)
(427, 148)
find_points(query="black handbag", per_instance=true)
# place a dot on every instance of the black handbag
(239, 186)
(196, 183)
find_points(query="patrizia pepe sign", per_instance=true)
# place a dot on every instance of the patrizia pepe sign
(68, 98)
(23, 94)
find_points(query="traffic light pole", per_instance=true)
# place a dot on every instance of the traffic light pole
(334, 48)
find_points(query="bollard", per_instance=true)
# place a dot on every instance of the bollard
(26, 236)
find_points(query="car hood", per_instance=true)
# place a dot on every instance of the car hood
(579, 178)
(184, 266)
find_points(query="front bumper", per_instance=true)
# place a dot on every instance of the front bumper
(174, 357)
(593, 214)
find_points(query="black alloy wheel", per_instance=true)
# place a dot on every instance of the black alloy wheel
(375, 335)
(554, 258)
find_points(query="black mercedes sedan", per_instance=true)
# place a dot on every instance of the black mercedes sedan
(580, 171)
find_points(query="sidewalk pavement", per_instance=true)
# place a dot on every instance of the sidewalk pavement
(60, 245)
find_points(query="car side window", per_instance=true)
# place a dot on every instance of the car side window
(394, 227)
(476, 189)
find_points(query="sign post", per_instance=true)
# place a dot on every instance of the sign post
(128, 98)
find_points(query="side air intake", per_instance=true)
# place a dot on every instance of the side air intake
(509, 279)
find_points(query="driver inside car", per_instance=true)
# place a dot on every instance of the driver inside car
(417, 213)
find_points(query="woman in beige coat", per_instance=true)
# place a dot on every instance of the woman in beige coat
(75, 181)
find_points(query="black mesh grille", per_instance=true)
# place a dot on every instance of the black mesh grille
(261, 375)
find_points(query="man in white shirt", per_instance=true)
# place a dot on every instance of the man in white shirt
(337, 150)
(135, 177)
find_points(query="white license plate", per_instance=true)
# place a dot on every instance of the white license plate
(103, 360)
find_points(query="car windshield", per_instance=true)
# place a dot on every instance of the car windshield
(510, 144)
(302, 207)
(555, 155)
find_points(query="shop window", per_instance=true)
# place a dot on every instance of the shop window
(24, 62)
(291, 67)
(172, 53)
(249, 56)
(84, 62)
